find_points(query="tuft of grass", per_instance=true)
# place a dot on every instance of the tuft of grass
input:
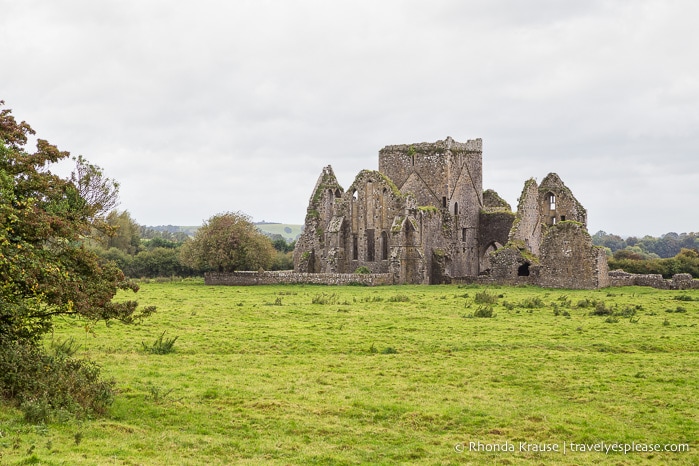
(65, 348)
(484, 311)
(483, 297)
(161, 345)
(399, 298)
(324, 298)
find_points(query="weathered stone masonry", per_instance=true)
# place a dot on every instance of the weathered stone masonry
(424, 218)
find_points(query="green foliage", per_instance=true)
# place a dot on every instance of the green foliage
(283, 261)
(648, 247)
(483, 297)
(362, 269)
(484, 311)
(533, 303)
(281, 245)
(686, 261)
(120, 232)
(100, 193)
(65, 348)
(399, 298)
(324, 298)
(228, 242)
(158, 394)
(158, 262)
(601, 309)
(47, 271)
(161, 345)
(52, 387)
(683, 297)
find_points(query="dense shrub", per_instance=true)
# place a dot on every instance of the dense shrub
(687, 261)
(283, 261)
(51, 386)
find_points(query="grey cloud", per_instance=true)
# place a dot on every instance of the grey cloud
(203, 107)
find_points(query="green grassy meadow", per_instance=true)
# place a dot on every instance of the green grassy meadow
(385, 375)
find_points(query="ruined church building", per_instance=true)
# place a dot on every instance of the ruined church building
(424, 218)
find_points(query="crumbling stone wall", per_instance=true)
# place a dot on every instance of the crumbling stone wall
(434, 172)
(417, 217)
(310, 254)
(570, 260)
(680, 281)
(424, 218)
(557, 203)
(526, 229)
(549, 242)
(492, 235)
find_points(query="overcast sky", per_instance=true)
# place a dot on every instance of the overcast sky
(200, 107)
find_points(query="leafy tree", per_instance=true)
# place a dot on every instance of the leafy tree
(122, 232)
(46, 270)
(160, 242)
(157, 262)
(613, 242)
(228, 242)
(99, 192)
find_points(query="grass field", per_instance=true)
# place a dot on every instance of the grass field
(385, 375)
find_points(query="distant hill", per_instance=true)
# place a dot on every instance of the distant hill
(288, 231)
(189, 230)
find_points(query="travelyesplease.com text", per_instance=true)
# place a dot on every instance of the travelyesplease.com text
(571, 447)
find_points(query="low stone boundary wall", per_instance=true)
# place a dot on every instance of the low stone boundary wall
(486, 280)
(290, 277)
(680, 281)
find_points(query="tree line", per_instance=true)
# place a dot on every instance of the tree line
(667, 255)
(225, 242)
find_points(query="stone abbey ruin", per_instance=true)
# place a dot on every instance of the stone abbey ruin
(423, 218)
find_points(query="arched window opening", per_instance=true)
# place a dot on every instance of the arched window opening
(355, 248)
(370, 246)
(444, 201)
(456, 208)
(384, 246)
(552, 201)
